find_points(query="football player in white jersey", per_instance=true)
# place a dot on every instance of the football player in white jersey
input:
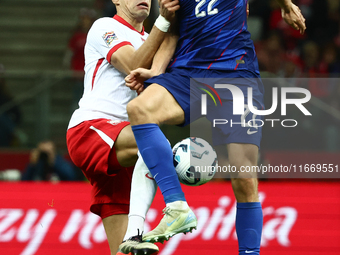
(99, 137)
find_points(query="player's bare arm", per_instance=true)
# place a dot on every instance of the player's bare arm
(164, 54)
(292, 15)
(160, 62)
(126, 58)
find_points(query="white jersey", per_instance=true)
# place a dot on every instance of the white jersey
(105, 94)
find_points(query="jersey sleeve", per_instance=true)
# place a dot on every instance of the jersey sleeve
(106, 39)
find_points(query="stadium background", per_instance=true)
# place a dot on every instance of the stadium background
(40, 87)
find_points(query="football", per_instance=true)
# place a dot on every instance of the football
(195, 161)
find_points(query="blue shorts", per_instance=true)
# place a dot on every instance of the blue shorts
(187, 87)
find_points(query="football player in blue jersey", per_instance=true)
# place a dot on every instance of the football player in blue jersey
(213, 42)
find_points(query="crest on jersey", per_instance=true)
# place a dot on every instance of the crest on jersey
(109, 37)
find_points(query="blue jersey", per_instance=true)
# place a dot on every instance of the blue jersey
(213, 35)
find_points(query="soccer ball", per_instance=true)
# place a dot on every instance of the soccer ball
(195, 161)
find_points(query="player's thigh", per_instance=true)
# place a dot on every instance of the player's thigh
(126, 147)
(93, 146)
(159, 105)
(115, 227)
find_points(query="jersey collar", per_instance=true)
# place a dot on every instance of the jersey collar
(124, 22)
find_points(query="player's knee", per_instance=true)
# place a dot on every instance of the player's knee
(142, 111)
(136, 111)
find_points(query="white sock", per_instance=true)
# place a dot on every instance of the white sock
(143, 191)
(135, 226)
(179, 205)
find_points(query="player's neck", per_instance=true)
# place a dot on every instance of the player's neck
(136, 24)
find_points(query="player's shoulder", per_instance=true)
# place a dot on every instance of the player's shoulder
(103, 21)
(105, 25)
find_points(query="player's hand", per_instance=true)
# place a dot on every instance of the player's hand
(294, 18)
(135, 80)
(167, 8)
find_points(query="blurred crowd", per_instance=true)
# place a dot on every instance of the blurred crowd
(284, 52)
(45, 163)
(303, 61)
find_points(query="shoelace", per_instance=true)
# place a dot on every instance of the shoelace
(167, 211)
(138, 237)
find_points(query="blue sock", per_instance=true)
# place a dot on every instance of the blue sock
(249, 221)
(157, 154)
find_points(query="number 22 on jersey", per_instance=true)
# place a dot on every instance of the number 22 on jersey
(202, 13)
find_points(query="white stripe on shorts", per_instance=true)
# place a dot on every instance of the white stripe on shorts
(104, 136)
